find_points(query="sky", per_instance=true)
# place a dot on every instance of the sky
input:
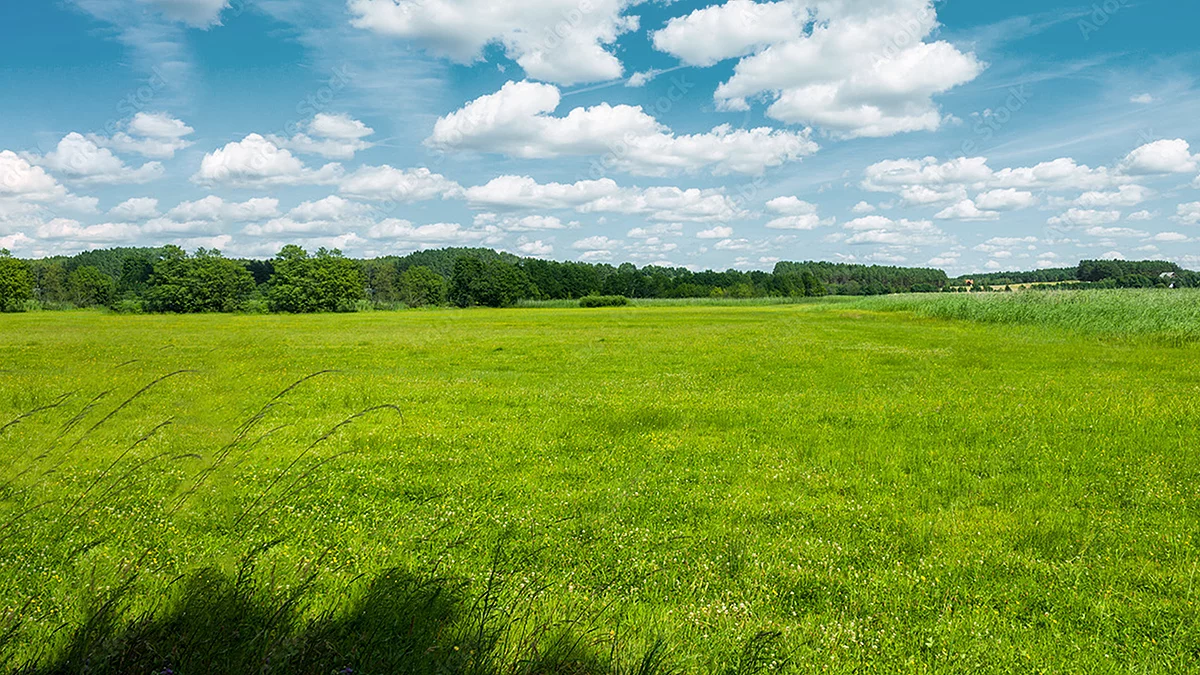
(963, 135)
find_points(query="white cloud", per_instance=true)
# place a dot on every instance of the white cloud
(536, 249)
(1142, 99)
(516, 121)
(656, 231)
(557, 41)
(257, 162)
(1161, 157)
(330, 208)
(1113, 255)
(1170, 237)
(136, 209)
(927, 181)
(154, 135)
(1127, 195)
(523, 192)
(737, 28)
(21, 179)
(947, 259)
(851, 67)
(1188, 214)
(791, 206)
(597, 243)
(1142, 215)
(80, 159)
(669, 204)
(1006, 200)
(966, 210)
(330, 136)
(385, 183)
(103, 233)
(534, 223)
(809, 221)
(889, 232)
(862, 208)
(1085, 218)
(436, 233)
(1110, 232)
(718, 232)
(795, 214)
(213, 208)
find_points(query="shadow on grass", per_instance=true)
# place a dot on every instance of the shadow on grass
(402, 623)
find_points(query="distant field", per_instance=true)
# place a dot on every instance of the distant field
(1168, 316)
(821, 487)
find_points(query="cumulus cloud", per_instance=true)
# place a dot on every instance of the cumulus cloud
(257, 162)
(537, 249)
(966, 210)
(154, 135)
(886, 231)
(533, 223)
(557, 41)
(669, 204)
(386, 183)
(1006, 200)
(329, 208)
(213, 208)
(1085, 218)
(19, 178)
(927, 181)
(737, 28)
(853, 68)
(1188, 214)
(517, 121)
(718, 232)
(102, 233)
(405, 232)
(135, 209)
(1161, 157)
(330, 136)
(79, 159)
(1111, 232)
(1127, 195)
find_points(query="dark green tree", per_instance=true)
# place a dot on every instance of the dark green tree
(89, 287)
(206, 282)
(326, 282)
(421, 286)
(490, 283)
(16, 282)
(52, 282)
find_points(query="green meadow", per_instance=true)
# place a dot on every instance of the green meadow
(900, 485)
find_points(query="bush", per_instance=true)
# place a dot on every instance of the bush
(604, 301)
(131, 305)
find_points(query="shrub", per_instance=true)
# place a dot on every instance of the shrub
(129, 305)
(604, 301)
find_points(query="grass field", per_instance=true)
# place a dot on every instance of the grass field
(698, 489)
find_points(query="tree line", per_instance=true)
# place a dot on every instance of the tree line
(168, 279)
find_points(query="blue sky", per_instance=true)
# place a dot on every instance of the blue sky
(963, 135)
